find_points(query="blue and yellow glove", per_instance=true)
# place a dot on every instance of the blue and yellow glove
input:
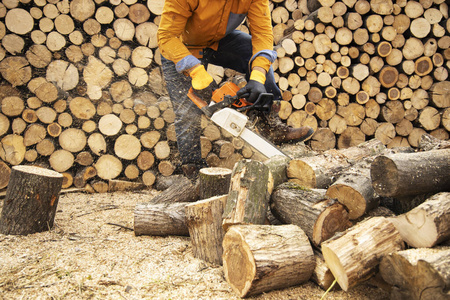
(202, 83)
(254, 87)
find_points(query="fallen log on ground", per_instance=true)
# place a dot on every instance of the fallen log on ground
(260, 258)
(319, 216)
(160, 219)
(417, 274)
(426, 225)
(354, 255)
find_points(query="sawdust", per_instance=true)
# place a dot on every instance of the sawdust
(92, 253)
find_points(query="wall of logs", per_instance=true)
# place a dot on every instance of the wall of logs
(82, 92)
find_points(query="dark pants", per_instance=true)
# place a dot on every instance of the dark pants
(234, 52)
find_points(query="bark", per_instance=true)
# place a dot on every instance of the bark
(417, 273)
(319, 216)
(204, 221)
(248, 196)
(160, 219)
(427, 224)
(260, 258)
(411, 174)
(354, 256)
(31, 200)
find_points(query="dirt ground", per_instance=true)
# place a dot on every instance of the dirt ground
(92, 253)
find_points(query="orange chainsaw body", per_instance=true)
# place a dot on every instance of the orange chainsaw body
(227, 89)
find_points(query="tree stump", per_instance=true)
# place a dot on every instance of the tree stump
(31, 200)
(260, 258)
(214, 182)
(204, 221)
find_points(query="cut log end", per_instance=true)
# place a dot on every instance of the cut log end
(242, 260)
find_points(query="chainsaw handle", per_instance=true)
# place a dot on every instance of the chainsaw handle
(264, 102)
(196, 99)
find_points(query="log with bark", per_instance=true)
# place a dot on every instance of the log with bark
(160, 219)
(354, 255)
(248, 197)
(260, 258)
(183, 190)
(319, 216)
(320, 171)
(204, 221)
(411, 174)
(426, 225)
(214, 182)
(421, 273)
(31, 200)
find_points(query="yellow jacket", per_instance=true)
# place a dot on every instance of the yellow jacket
(188, 26)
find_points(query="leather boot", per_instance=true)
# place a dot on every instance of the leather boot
(270, 126)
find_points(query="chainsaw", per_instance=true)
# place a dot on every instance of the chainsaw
(225, 111)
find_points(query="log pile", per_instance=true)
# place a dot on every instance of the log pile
(347, 231)
(82, 91)
(357, 69)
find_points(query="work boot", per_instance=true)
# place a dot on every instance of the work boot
(272, 128)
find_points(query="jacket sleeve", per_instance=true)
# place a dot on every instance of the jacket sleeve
(260, 22)
(173, 22)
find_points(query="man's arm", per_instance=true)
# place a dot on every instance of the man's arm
(262, 36)
(173, 22)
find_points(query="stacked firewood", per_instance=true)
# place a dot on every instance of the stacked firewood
(271, 231)
(357, 69)
(82, 91)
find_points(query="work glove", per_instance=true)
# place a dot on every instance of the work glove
(254, 87)
(203, 84)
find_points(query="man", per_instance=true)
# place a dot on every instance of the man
(193, 33)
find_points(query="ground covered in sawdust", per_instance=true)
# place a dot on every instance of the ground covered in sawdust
(92, 253)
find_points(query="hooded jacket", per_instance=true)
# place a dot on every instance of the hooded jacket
(188, 26)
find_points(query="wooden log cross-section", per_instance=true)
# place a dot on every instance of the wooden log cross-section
(260, 258)
(354, 256)
(427, 224)
(319, 216)
(31, 200)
